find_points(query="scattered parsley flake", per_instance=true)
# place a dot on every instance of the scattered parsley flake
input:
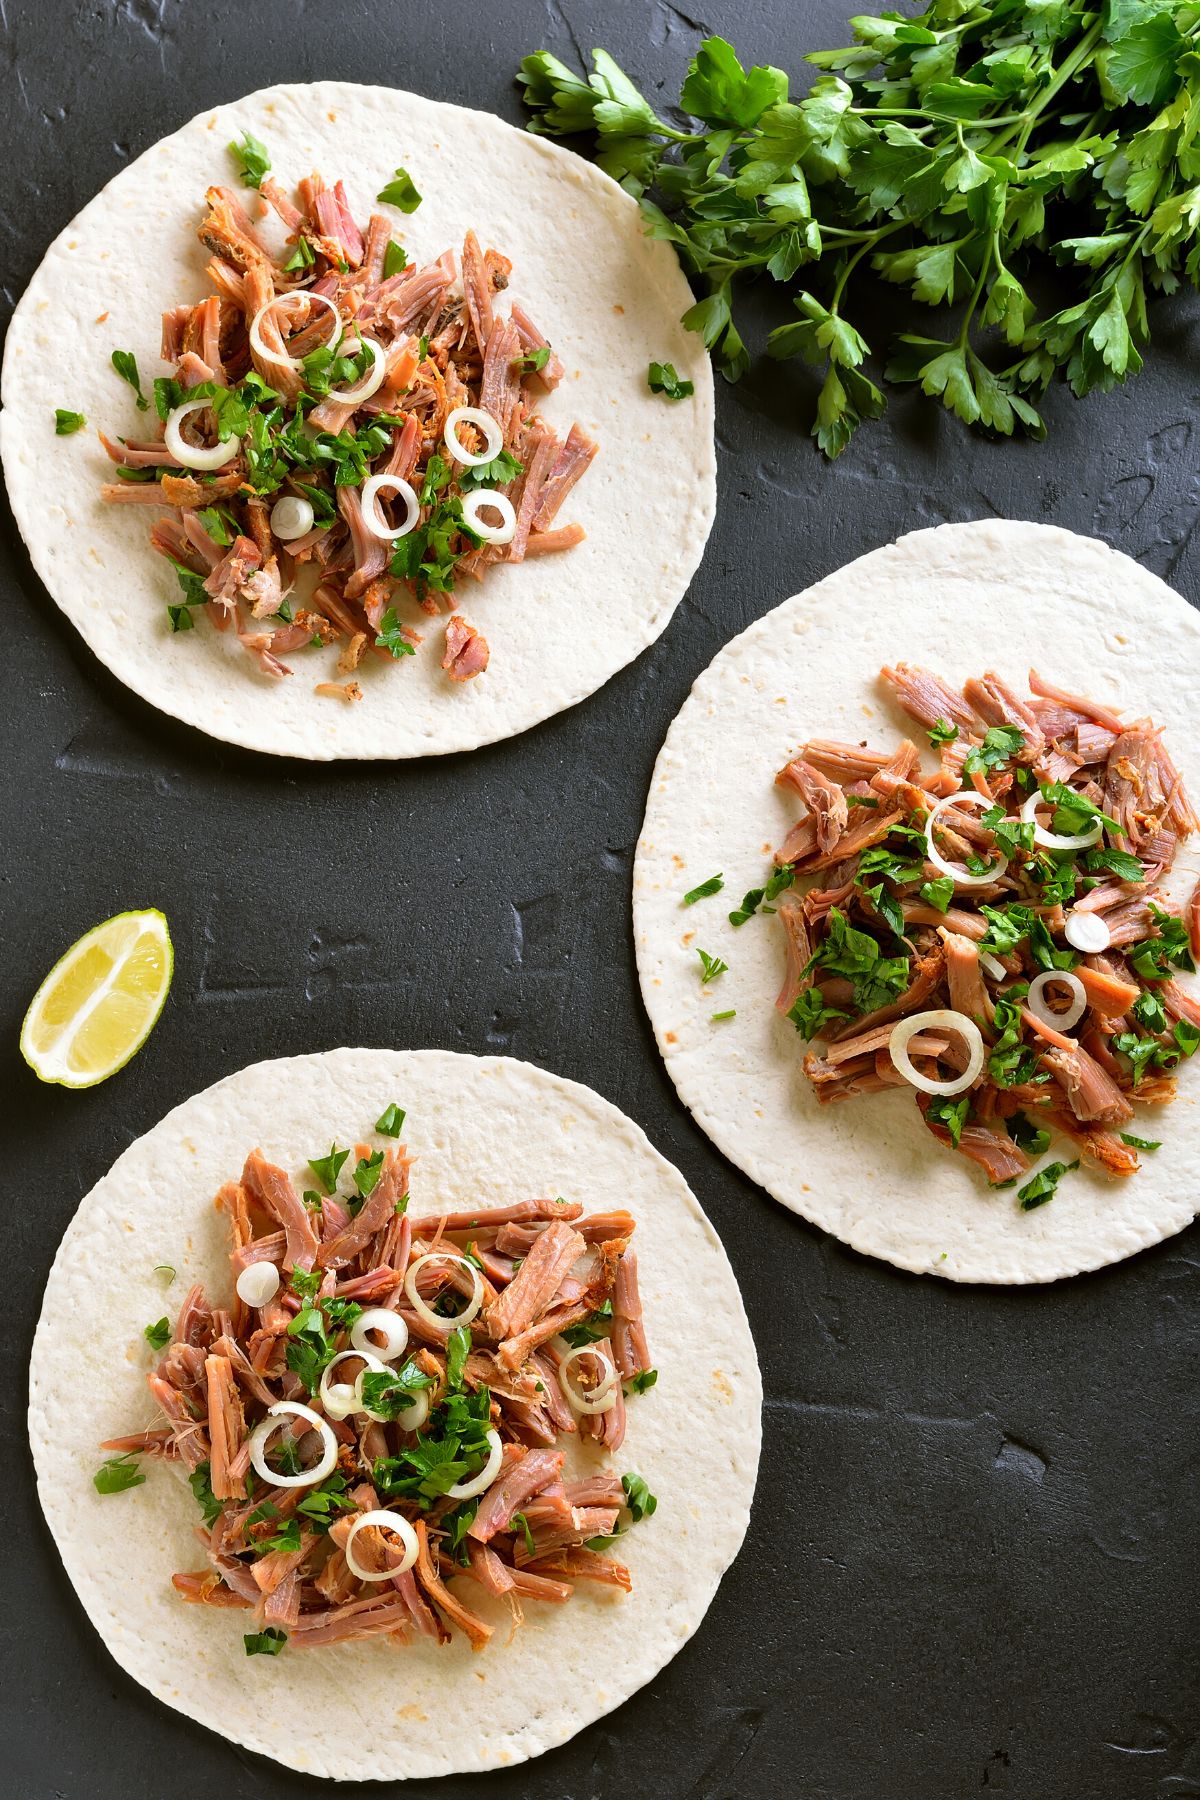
(664, 378)
(713, 885)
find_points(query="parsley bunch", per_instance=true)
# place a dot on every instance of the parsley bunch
(957, 153)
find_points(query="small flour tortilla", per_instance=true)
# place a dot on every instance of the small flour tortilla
(607, 297)
(485, 1130)
(959, 599)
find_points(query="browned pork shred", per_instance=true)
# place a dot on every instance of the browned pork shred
(446, 346)
(862, 802)
(544, 1264)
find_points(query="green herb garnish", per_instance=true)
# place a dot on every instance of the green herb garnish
(1138, 1143)
(1001, 743)
(201, 1485)
(125, 363)
(400, 193)
(252, 158)
(395, 259)
(118, 1474)
(326, 1169)
(265, 1643)
(533, 361)
(713, 885)
(664, 378)
(950, 1113)
(67, 422)
(710, 966)
(391, 635)
(1042, 1186)
(391, 1121)
(942, 732)
(158, 1335)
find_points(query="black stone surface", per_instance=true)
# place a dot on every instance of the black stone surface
(972, 1559)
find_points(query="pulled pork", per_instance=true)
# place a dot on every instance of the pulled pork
(442, 344)
(538, 1282)
(884, 932)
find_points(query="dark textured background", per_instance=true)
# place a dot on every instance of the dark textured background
(972, 1559)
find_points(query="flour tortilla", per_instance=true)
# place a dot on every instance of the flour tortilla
(959, 599)
(485, 1129)
(608, 298)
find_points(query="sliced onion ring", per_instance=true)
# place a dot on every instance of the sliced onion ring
(289, 302)
(961, 877)
(940, 1019)
(600, 1399)
(467, 1490)
(379, 1318)
(372, 517)
(1087, 932)
(425, 1311)
(341, 1398)
(267, 1427)
(492, 435)
(386, 1521)
(991, 965)
(1058, 1021)
(491, 534)
(371, 382)
(196, 456)
(410, 1418)
(258, 1283)
(1054, 840)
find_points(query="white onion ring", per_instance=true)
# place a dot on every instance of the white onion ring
(961, 877)
(941, 1019)
(378, 1318)
(425, 1311)
(370, 383)
(372, 517)
(600, 1399)
(991, 965)
(503, 533)
(268, 1426)
(292, 517)
(258, 1283)
(196, 456)
(341, 1398)
(493, 436)
(467, 1490)
(1054, 840)
(1087, 931)
(1058, 1021)
(281, 357)
(386, 1521)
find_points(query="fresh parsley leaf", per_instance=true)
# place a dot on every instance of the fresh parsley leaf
(533, 361)
(1152, 959)
(458, 1348)
(180, 615)
(640, 1501)
(710, 966)
(950, 1113)
(729, 1013)
(395, 259)
(200, 1483)
(367, 1171)
(265, 1643)
(663, 378)
(125, 363)
(391, 1392)
(391, 635)
(523, 1522)
(809, 1013)
(286, 1538)
(327, 1169)
(252, 158)
(876, 979)
(1027, 1136)
(1138, 1143)
(942, 732)
(158, 1335)
(939, 892)
(597, 1325)
(302, 256)
(642, 1382)
(118, 1474)
(1043, 1186)
(390, 1123)
(1000, 744)
(1117, 862)
(1149, 1011)
(67, 422)
(400, 193)
(713, 885)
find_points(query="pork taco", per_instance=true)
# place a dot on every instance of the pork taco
(329, 424)
(916, 903)
(412, 1398)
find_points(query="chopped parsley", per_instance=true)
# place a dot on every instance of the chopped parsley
(391, 635)
(950, 1113)
(400, 193)
(165, 1269)
(1027, 1136)
(876, 979)
(1117, 862)
(664, 378)
(938, 893)
(201, 1485)
(327, 1169)
(710, 966)
(252, 158)
(302, 256)
(809, 1012)
(713, 885)
(533, 361)
(642, 1382)
(1153, 958)
(391, 1121)
(640, 1501)
(395, 259)
(523, 1522)
(763, 896)
(715, 1018)
(1001, 743)
(158, 1335)
(67, 422)
(367, 1171)
(118, 1474)
(1138, 1143)
(391, 1392)
(265, 1643)
(1044, 1184)
(597, 1325)
(942, 732)
(125, 363)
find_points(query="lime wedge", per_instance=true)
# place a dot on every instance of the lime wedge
(100, 1001)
